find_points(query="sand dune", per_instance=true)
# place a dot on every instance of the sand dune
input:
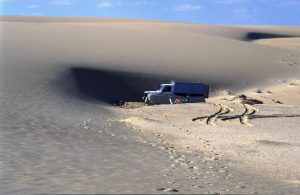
(59, 77)
(163, 50)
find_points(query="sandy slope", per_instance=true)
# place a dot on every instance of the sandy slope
(58, 74)
(164, 50)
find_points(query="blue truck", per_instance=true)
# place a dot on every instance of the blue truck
(177, 92)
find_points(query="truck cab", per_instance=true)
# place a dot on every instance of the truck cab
(166, 88)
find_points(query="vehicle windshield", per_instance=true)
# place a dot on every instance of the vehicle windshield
(166, 89)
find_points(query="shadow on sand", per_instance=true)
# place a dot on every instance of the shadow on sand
(253, 36)
(114, 86)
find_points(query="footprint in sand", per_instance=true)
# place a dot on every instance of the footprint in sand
(288, 62)
(167, 189)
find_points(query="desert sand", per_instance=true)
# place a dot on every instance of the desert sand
(61, 134)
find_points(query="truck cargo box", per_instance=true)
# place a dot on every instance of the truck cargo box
(191, 88)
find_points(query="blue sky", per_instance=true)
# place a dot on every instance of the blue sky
(280, 12)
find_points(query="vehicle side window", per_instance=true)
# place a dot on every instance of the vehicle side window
(167, 89)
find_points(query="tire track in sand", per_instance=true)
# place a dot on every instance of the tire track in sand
(222, 111)
(249, 112)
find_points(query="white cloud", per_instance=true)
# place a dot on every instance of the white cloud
(33, 7)
(245, 15)
(230, 1)
(9, 1)
(63, 2)
(112, 4)
(105, 4)
(108, 4)
(187, 7)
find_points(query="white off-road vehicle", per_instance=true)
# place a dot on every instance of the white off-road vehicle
(177, 92)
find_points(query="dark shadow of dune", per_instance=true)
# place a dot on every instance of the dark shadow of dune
(252, 36)
(113, 86)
